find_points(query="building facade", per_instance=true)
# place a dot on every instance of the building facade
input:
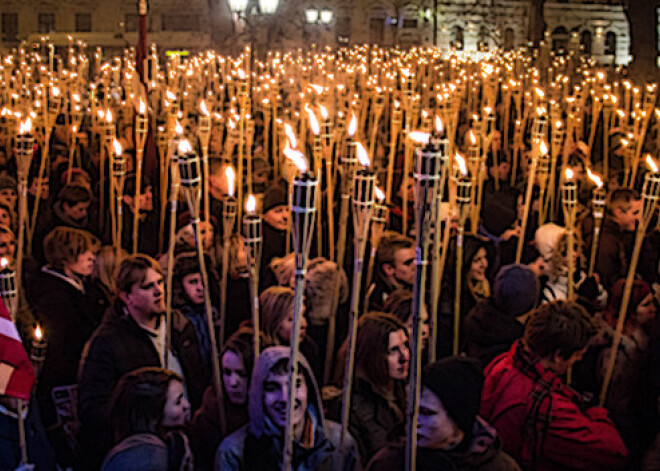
(601, 27)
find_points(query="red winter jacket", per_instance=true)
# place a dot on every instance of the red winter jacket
(519, 393)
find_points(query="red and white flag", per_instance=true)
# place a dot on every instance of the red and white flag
(16, 373)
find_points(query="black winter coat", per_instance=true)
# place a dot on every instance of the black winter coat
(117, 347)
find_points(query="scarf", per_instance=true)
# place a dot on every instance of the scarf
(539, 409)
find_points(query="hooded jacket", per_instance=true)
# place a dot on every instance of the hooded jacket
(481, 454)
(258, 445)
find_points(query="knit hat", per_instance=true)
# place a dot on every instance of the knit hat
(516, 289)
(7, 182)
(457, 381)
(273, 197)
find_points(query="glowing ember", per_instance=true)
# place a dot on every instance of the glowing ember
(231, 179)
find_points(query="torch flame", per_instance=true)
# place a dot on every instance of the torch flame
(297, 157)
(651, 163)
(185, 147)
(439, 126)
(170, 96)
(419, 137)
(117, 146)
(4, 262)
(231, 178)
(203, 108)
(380, 195)
(251, 204)
(362, 155)
(56, 91)
(25, 127)
(324, 112)
(313, 122)
(142, 108)
(38, 333)
(461, 164)
(543, 148)
(317, 88)
(108, 116)
(352, 125)
(569, 173)
(288, 130)
(178, 128)
(595, 178)
(473, 138)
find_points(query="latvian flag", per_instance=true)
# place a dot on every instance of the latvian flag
(16, 373)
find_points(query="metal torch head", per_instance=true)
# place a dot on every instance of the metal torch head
(8, 292)
(569, 200)
(349, 164)
(598, 203)
(189, 168)
(540, 128)
(650, 195)
(24, 153)
(303, 212)
(119, 166)
(253, 239)
(363, 200)
(428, 166)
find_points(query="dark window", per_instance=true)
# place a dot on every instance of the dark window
(377, 28)
(180, 22)
(130, 23)
(83, 22)
(409, 23)
(10, 26)
(457, 38)
(508, 39)
(610, 44)
(585, 41)
(46, 23)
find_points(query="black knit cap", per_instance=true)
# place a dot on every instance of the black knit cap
(457, 381)
(273, 197)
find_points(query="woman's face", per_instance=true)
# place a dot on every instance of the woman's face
(398, 355)
(235, 378)
(479, 266)
(177, 407)
(435, 429)
(646, 310)
(192, 284)
(286, 327)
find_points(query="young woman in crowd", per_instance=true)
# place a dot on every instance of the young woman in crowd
(149, 411)
(236, 362)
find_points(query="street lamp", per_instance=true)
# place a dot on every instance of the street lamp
(322, 16)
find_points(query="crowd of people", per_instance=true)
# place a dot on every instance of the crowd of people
(116, 393)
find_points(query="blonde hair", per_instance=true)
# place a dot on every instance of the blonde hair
(558, 261)
(275, 303)
(284, 268)
(107, 267)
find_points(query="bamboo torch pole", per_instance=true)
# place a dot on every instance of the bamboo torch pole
(253, 239)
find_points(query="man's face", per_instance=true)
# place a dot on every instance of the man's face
(276, 393)
(45, 188)
(218, 184)
(147, 297)
(76, 212)
(278, 217)
(402, 273)
(10, 196)
(398, 355)
(435, 429)
(628, 216)
(5, 218)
